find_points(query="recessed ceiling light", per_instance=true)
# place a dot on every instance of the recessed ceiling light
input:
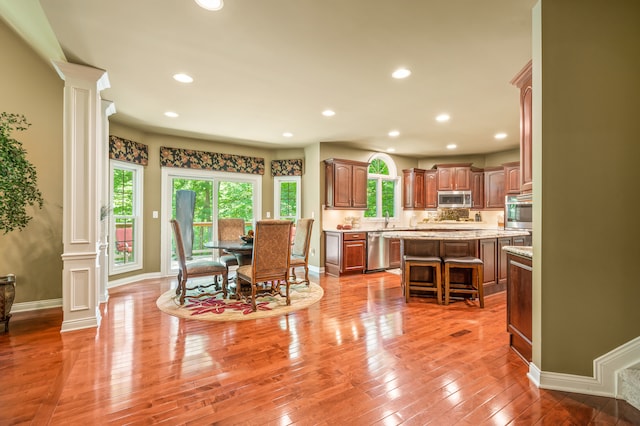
(328, 113)
(401, 73)
(394, 133)
(287, 134)
(443, 117)
(183, 78)
(391, 150)
(210, 4)
(452, 146)
(500, 135)
(171, 114)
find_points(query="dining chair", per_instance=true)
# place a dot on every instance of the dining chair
(197, 268)
(269, 269)
(300, 249)
(229, 229)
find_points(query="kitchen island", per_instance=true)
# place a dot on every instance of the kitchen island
(485, 244)
(519, 299)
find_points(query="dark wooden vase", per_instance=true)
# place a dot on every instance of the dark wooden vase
(7, 296)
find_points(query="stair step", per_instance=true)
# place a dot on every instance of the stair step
(629, 385)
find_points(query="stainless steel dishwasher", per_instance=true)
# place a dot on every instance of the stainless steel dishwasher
(377, 251)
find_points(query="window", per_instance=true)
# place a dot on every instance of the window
(126, 223)
(287, 197)
(382, 188)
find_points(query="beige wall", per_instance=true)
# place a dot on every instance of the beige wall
(30, 86)
(586, 247)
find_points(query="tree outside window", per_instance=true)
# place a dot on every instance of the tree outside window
(381, 188)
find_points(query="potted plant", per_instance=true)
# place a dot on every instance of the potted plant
(18, 189)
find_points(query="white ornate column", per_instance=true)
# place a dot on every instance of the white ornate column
(108, 108)
(82, 193)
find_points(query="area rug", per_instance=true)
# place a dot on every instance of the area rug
(219, 309)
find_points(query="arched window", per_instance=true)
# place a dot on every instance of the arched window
(382, 188)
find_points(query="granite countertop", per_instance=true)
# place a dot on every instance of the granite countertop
(472, 234)
(524, 251)
(456, 226)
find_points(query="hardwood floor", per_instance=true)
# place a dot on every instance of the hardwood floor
(360, 356)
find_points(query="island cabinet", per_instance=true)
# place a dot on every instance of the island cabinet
(395, 251)
(346, 184)
(519, 302)
(523, 81)
(413, 189)
(345, 252)
(454, 177)
(431, 186)
(495, 261)
(494, 188)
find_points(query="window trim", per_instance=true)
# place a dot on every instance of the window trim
(138, 200)
(277, 180)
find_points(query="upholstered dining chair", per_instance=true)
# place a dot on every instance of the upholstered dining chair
(229, 229)
(300, 249)
(269, 269)
(197, 268)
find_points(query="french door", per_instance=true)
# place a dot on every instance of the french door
(198, 198)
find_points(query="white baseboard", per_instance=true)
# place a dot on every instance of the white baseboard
(36, 305)
(133, 279)
(605, 373)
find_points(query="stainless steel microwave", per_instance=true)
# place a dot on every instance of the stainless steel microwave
(518, 213)
(454, 199)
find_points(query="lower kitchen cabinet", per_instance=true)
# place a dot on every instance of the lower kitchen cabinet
(345, 252)
(394, 253)
(495, 263)
(519, 304)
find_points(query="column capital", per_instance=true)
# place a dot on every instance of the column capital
(79, 73)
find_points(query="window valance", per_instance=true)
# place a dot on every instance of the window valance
(129, 151)
(192, 159)
(286, 168)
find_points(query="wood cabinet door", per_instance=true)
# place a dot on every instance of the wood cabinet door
(526, 145)
(502, 259)
(431, 189)
(494, 189)
(477, 190)
(512, 179)
(462, 179)
(519, 304)
(413, 189)
(342, 184)
(359, 190)
(488, 255)
(445, 179)
(394, 253)
(353, 256)
(332, 246)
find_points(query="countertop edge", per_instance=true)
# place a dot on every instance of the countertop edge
(524, 251)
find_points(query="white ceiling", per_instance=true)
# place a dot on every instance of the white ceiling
(263, 67)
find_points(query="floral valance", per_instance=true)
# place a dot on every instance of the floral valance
(191, 159)
(286, 168)
(129, 151)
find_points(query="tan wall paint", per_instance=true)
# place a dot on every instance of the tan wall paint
(589, 145)
(30, 86)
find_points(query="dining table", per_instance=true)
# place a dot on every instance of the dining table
(243, 251)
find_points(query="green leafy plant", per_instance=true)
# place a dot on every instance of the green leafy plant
(18, 179)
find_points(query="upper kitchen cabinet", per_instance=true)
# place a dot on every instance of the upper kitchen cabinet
(494, 188)
(512, 178)
(477, 189)
(523, 82)
(454, 177)
(431, 186)
(346, 184)
(413, 190)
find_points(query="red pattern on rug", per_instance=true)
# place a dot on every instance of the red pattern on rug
(218, 306)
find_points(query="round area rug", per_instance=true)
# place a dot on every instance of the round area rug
(219, 309)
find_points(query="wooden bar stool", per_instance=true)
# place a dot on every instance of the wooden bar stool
(475, 288)
(435, 285)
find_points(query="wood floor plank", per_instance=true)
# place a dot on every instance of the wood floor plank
(359, 356)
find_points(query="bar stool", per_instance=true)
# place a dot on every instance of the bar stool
(433, 286)
(475, 288)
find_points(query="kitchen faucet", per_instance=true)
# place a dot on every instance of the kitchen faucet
(386, 219)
